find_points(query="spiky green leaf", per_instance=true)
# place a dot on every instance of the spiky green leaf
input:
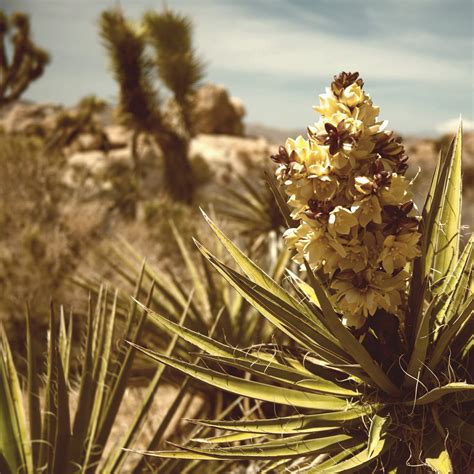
(436, 454)
(270, 450)
(437, 393)
(448, 219)
(296, 424)
(15, 448)
(249, 388)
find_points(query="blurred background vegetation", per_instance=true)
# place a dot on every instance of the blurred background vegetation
(103, 195)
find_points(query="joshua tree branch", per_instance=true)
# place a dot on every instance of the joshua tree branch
(28, 61)
(139, 103)
(178, 66)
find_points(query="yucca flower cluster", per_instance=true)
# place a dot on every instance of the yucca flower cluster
(348, 192)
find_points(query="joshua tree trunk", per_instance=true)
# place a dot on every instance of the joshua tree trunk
(135, 155)
(177, 169)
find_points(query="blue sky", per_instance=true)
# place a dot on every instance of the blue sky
(416, 56)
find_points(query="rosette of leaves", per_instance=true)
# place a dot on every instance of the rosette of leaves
(350, 411)
(255, 207)
(70, 409)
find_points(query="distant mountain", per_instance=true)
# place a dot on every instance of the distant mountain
(271, 134)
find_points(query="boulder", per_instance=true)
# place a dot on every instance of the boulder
(23, 116)
(117, 135)
(96, 162)
(88, 142)
(93, 162)
(215, 112)
(227, 155)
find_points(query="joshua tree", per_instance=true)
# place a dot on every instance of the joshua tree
(27, 60)
(159, 48)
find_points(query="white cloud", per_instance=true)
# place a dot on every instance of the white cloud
(233, 41)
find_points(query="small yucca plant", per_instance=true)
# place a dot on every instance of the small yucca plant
(251, 207)
(71, 410)
(383, 384)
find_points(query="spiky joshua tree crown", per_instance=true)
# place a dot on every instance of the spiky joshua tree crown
(348, 192)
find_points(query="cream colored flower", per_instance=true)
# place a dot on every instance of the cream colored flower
(364, 293)
(293, 235)
(368, 210)
(367, 112)
(358, 299)
(341, 221)
(325, 187)
(373, 242)
(296, 238)
(301, 191)
(363, 185)
(341, 163)
(307, 153)
(398, 250)
(398, 192)
(323, 251)
(387, 282)
(328, 104)
(352, 95)
(356, 258)
(365, 147)
(393, 256)
(296, 144)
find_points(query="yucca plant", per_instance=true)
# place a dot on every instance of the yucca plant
(251, 206)
(379, 373)
(72, 408)
(174, 62)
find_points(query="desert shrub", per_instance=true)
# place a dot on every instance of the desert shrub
(251, 206)
(202, 172)
(160, 215)
(121, 190)
(70, 124)
(43, 229)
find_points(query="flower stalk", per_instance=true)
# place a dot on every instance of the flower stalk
(347, 189)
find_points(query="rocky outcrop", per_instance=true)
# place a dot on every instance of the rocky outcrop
(226, 154)
(215, 112)
(222, 154)
(118, 136)
(23, 117)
